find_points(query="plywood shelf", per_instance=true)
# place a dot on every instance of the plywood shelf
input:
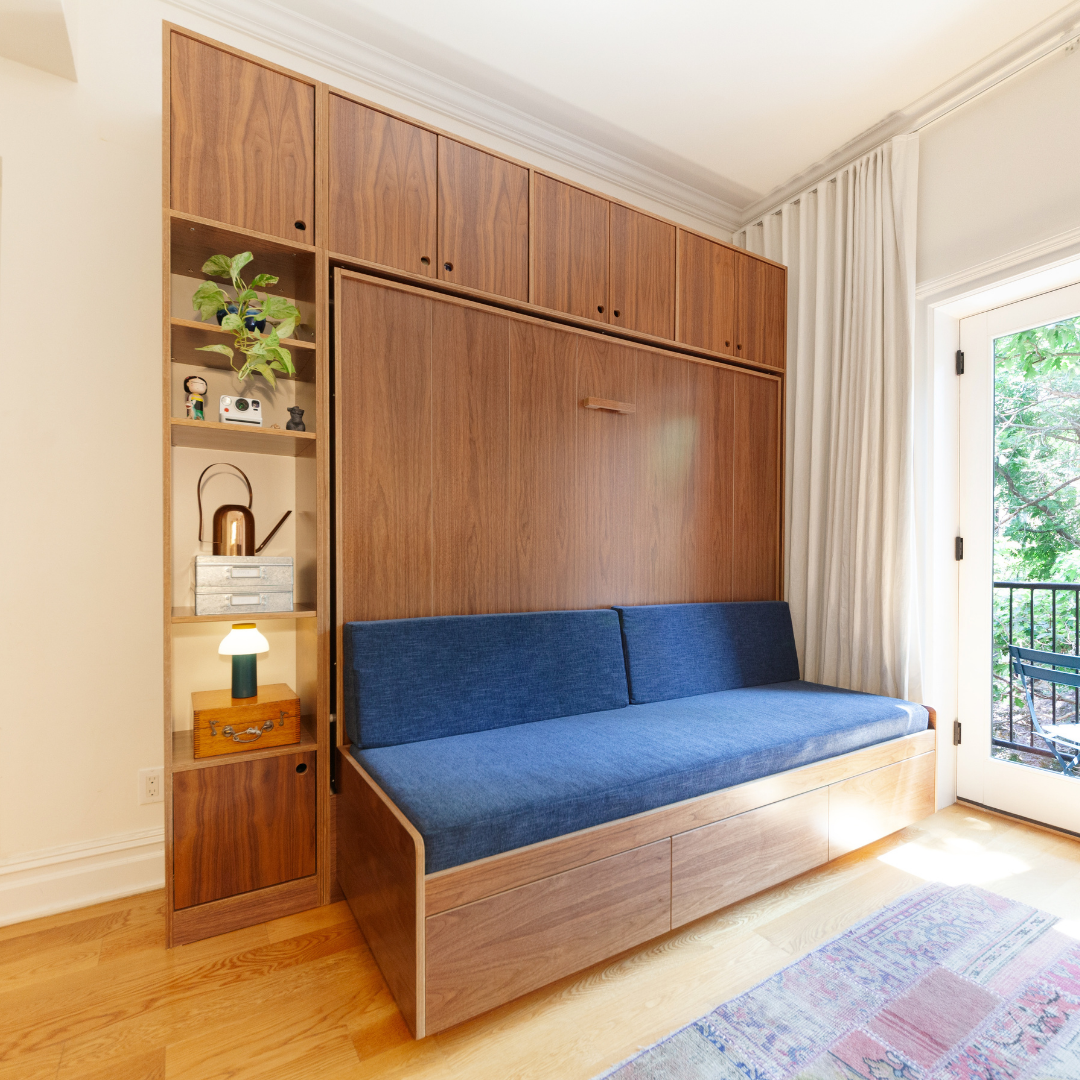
(187, 615)
(210, 435)
(189, 335)
(183, 758)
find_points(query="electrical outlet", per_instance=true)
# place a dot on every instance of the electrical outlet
(151, 785)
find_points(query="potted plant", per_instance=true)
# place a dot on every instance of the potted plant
(246, 315)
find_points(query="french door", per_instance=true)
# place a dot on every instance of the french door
(1020, 572)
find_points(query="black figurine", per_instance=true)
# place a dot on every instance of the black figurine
(297, 421)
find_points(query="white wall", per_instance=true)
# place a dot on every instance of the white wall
(80, 446)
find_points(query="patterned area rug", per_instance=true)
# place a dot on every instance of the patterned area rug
(946, 982)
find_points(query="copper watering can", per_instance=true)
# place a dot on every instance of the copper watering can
(234, 525)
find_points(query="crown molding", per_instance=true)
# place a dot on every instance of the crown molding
(1039, 41)
(304, 37)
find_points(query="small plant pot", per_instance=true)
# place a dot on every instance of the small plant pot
(252, 320)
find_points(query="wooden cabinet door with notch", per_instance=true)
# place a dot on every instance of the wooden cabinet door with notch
(760, 311)
(382, 188)
(570, 249)
(242, 142)
(242, 826)
(706, 294)
(642, 272)
(483, 221)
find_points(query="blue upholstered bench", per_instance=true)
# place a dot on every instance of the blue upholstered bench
(493, 732)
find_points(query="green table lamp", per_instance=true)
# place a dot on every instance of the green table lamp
(242, 642)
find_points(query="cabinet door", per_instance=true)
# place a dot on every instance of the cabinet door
(760, 311)
(642, 269)
(382, 188)
(243, 142)
(570, 260)
(706, 294)
(755, 571)
(242, 826)
(483, 221)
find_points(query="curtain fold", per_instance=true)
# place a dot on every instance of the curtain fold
(850, 568)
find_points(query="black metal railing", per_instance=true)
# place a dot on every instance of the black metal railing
(1041, 615)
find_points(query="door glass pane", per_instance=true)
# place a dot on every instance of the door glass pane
(1036, 529)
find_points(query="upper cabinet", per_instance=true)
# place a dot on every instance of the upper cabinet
(243, 142)
(483, 221)
(760, 311)
(570, 249)
(383, 195)
(641, 272)
(706, 294)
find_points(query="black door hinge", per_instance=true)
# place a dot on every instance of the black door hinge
(956, 733)
(959, 551)
(959, 361)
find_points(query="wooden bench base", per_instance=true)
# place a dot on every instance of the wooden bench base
(459, 942)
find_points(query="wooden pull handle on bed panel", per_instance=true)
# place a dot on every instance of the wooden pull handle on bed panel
(609, 405)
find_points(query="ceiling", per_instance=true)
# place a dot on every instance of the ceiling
(730, 97)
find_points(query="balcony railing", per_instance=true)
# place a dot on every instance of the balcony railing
(1041, 615)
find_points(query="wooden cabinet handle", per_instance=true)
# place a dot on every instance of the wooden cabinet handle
(609, 405)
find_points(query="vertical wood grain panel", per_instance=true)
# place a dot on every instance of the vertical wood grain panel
(384, 432)
(470, 460)
(243, 142)
(708, 534)
(383, 194)
(483, 221)
(642, 272)
(756, 556)
(665, 438)
(605, 485)
(706, 293)
(243, 826)
(543, 522)
(760, 311)
(570, 261)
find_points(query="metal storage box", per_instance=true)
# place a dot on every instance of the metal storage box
(243, 584)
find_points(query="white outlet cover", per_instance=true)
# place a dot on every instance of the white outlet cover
(152, 785)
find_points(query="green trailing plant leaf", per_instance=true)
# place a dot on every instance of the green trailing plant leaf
(218, 266)
(223, 349)
(263, 281)
(247, 296)
(277, 307)
(284, 329)
(209, 299)
(232, 322)
(238, 263)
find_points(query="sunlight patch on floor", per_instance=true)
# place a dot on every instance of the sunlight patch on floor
(955, 862)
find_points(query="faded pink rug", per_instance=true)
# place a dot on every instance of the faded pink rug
(946, 982)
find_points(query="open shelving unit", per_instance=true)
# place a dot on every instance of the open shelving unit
(288, 470)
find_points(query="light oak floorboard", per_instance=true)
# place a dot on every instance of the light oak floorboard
(94, 995)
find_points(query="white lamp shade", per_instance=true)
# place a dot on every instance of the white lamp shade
(242, 640)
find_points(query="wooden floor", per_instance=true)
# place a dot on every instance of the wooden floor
(92, 994)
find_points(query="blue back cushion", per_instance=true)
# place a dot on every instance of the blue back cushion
(680, 650)
(407, 680)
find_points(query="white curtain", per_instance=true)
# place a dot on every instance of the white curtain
(850, 574)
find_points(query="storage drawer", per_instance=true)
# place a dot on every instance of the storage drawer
(235, 601)
(229, 572)
(721, 863)
(496, 949)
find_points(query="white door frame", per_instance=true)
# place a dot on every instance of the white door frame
(1037, 794)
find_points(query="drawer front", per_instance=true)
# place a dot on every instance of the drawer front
(494, 950)
(242, 827)
(237, 602)
(729, 860)
(874, 804)
(240, 576)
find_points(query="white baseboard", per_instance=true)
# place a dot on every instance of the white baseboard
(77, 875)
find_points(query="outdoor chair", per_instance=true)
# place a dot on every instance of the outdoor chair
(1063, 739)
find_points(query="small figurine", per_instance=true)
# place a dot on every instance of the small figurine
(297, 421)
(195, 387)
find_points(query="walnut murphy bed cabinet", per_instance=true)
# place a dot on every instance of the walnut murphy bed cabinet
(602, 392)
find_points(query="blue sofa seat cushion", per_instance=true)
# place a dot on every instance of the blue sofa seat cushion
(679, 650)
(475, 795)
(407, 680)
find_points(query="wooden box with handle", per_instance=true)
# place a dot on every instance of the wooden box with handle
(228, 725)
